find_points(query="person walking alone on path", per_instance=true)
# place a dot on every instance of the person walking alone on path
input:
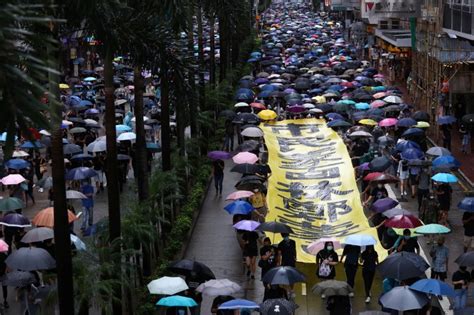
(423, 190)
(403, 175)
(468, 224)
(443, 191)
(287, 255)
(87, 205)
(218, 172)
(229, 136)
(250, 239)
(370, 260)
(351, 253)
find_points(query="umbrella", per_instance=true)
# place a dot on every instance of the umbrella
(283, 275)
(406, 122)
(402, 266)
(258, 106)
(74, 194)
(19, 154)
(31, 145)
(393, 99)
(238, 304)
(38, 235)
(248, 145)
(80, 173)
(278, 307)
(70, 148)
(380, 164)
(467, 204)
(396, 211)
(332, 287)
(384, 204)
(403, 222)
(372, 176)
(77, 242)
(433, 287)
(338, 123)
(176, 301)
(421, 116)
(388, 122)
(446, 120)
(406, 144)
(218, 155)
(412, 154)
(385, 140)
(466, 259)
(97, 146)
(241, 104)
(360, 134)
(10, 204)
(247, 225)
(3, 246)
(438, 151)
(252, 132)
(245, 157)
(267, 115)
(15, 220)
(446, 160)
(218, 287)
(30, 259)
(413, 132)
(46, 217)
(444, 178)
(359, 240)
(122, 128)
(167, 286)
(239, 194)
(18, 279)
(187, 266)
(468, 119)
(239, 207)
(275, 227)
(403, 299)
(82, 157)
(422, 124)
(12, 179)
(78, 130)
(316, 246)
(17, 164)
(432, 228)
(127, 136)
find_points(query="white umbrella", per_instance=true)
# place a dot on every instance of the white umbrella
(403, 298)
(97, 146)
(89, 121)
(12, 179)
(45, 133)
(67, 123)
(241, 104)
(167, 285)
(120, 102)
(393, 99)
(217, 287)
(253, 132)
(80, 245)
(127, 136)
(38, 235)
(20, 154)
(74, 194)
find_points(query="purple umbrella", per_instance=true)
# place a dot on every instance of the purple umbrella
(80, 173)
(295, 109)
(92, 111)
(15, 220)
(412, 154)
(219, 155)
(289, 91)
(247, 225)
(384, 204)
(364, 166)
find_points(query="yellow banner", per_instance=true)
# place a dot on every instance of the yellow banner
(312, 188)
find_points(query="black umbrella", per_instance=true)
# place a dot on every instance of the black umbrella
(385, 140)
(403, 265)
(379, 164)
(468, 119)
(249, 145)
(284, 275)
(30, 259)
(466, 259)
(18, 278)
(421, 116)
(247, 118)
(245, 168)
(227, 113)
(275, 227)
(278, 307)
(186, 266)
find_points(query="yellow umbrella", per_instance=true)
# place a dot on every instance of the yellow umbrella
(63, 86)
(368, 122)
(422, 124)
(319, 99)
(267, 114)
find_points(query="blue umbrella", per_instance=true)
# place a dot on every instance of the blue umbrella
(244, 94)
(265, 94)
(406, 144)
(362, 106)
(467, 204)
(433, 287)
(360, 240)
(334, 116)
(406, 122)
(238, 304)
(412, 154)
(80, 173)
(122, 128)
(446, 160)
(176, 301)
(31, 145)
(82, 157)
(413, 132)
(3, 137)
(17, 164)
(153, 147)
(445, 178)
(270, 87)
(446, 120)
(239, 207)
(85, 103)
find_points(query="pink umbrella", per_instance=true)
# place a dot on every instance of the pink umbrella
(12, 179)
(379, 95)
(316, 246)
(245, 157)
(239, 194)
(388, 122)
(3, 246)
(377, 104)
(247, 225)
(379, 75)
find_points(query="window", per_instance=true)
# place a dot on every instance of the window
(395, 24)
(383, 25)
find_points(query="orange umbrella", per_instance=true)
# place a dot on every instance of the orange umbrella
(46, 217)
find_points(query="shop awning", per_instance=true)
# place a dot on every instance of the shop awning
(397, 38)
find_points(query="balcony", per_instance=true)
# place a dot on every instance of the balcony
(458, 19)
(398, 8)
(397, 38)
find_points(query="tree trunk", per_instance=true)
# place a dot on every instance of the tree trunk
(113, 192)
(223, 50)
(165, 114)
(212, 43)
(202, 66)
(61, 223)
(192, 76)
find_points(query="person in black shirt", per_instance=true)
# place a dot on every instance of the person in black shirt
(351, 253)
(250, 252)
(326, 260)
(369, 259)
(461, 279)
(443, 191)
(267, 257)
(468, 224)
(406, 243)
(377, 192)
(218, 172)
(218, 301)
(287, 251)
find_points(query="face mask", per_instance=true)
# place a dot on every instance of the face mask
(406, 237)
(329, 248)
(379, 185)
(286, 238)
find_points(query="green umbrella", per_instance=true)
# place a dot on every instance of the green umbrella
(432, 229)
(10, 204)
(339, 107)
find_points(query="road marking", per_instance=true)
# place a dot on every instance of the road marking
(444, 303)
(303, 288)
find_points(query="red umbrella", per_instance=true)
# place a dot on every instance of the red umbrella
(385, 178)
(372, 176)
(403, 221)
(257, 105)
